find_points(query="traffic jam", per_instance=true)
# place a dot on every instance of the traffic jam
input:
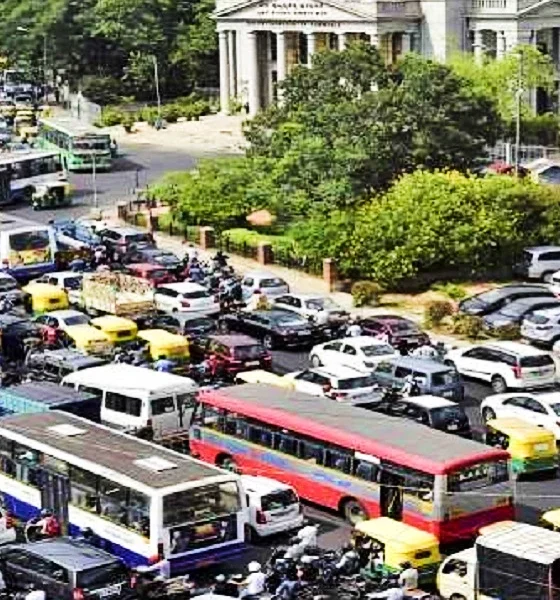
(154, 445)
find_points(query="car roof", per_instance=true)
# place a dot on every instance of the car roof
(144, 267)
(541, 248)
(124, 230)
(305, 296)
(389, 319)
(361, 341)
(508, 290)
(6, 276)
(262, 485)
(277, 312)
(65, 274)
(183, 286)
(529, 300)
(64, 314)
(338, 372)
(70, 554)
(515, 347)
(429, 401)
(261, 275)
(183, 318)
(233, 339)
(547, 397)
(548, 312)
(424, 364)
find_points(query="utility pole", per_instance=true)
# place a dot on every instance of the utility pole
(45, 88)
(158, 97)
(94, 180)
(518, 95)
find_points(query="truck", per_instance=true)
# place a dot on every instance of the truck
(509, 561)
(117, 294)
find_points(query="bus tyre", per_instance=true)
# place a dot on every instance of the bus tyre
(251, 536)
(228, 464)
(353, 512)
(499, 385)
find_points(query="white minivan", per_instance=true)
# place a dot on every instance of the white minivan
(274, 507)
(136, 398)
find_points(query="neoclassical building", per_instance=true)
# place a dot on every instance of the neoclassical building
(262, 40)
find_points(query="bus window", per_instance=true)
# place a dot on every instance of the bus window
(27, 460)
(123, 404)
(162, 406)
(139, 513)
(30, 240)
(7, 464)
(83, 489)
(112, 501)
(283, 442)
(366, 470)
(338, 459)
(311, 451)
(55, 465)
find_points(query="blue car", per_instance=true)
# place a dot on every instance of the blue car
(70, 234)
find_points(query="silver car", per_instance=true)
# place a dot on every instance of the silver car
(542, 327)
(538, 262)
(266, 283)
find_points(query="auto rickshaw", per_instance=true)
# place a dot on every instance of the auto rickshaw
(7, 109)
(393, 543)
(40, 298)
(51, 195)
(532, 448)
(163, 344)
(261, 376)
(117, 329)
(29, 134)
(551, 519)
(22, 121)
(89, 340)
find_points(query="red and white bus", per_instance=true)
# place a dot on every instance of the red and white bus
(360, 463)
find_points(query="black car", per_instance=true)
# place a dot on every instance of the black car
(54, 365)
(15, 332)
(276, 328)
(191, 325)
(65, 569)
(152, 256)
(493, 300)
(396, 329)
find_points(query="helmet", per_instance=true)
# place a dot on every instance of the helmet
(406, 565)
(46, 512)
(220, 578)
(254, 567)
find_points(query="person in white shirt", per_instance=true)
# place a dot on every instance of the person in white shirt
(353, 329)
(426, 351)
(255, 582)
(408, 578)
(35, 594)
(308, 535)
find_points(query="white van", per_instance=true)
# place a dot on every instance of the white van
(136, 398)
(457, 576)
(274, 507)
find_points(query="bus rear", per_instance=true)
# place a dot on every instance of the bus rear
(203, 522)
(27, 252)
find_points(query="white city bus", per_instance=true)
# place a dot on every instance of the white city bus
(141, 501)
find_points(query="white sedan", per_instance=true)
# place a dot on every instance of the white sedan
(319, 308)
(362, 353)
(539, 409)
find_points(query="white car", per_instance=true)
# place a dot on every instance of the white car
(62, 319)
(266, 283)
(321, 309)
(339, 383)
(505, 365)
(274, 507)
(69, 281)
(186, 297)
(542, 409)
(362, 353)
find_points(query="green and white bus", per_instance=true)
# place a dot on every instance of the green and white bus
(81, 147)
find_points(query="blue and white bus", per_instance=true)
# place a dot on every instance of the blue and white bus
(142, 501)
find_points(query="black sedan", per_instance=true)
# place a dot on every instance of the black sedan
(276, 328)
(494, 300)
(191, 325)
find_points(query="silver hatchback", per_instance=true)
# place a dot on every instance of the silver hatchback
(542, 327)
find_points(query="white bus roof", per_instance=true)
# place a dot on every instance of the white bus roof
(134, 381)
(72, 126)
(16, 225)
(106, 451)
(529, 542)
(14, 157)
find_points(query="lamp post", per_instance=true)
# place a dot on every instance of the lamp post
(518, 95)
(158, 97)
(45, 93)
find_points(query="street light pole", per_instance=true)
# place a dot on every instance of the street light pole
(156, 78)
(94, 180)
(45, 90)
(518, 95)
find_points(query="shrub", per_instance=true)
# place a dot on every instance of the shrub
(128, 122)
(112, 115)
(506, 332)
(102, 89)
(436, 311)
(468, 325)
(366, 293)
(171, 112)
(453, 290)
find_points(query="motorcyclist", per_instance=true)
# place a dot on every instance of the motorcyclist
(349, 562)
(164, 365)
(290, 585)
(411, 386)
(393, 592)
(224, 587)
(255, 583)
(220, 260)
(408, 579)
(48, 525)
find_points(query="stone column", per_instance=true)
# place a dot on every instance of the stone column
(232, 63)
(533, 93)
(342, 41)
(406, 44)
(311, 47)
(374, 39)
(224, 74)
(281, 55)
(253, 73)
(478, 45)
(500, 44)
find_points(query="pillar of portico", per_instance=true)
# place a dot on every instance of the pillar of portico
(232, 66)
(311, 47)
(253, 73)
(374, 39)
(478, 45)
(501, 44)
(406, 44)
(342, 41)
(224, 71)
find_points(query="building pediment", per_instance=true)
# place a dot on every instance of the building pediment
(541, 9)
(290, 10)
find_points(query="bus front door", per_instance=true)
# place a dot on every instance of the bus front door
(391, 497)
(55, 494)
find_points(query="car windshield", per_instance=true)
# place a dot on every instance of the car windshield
(157, 274)
(73, 283)
(445, 378)
(199, 324)
(556, 408)
(244, 352)
(444, 414)
(537, 319)
(515, 309)
(278, 500)
(272, 282)
(378, 350)
(166, 258)
(91, 143)
(76, 320)
(289, 320)
(403, 326)
(322, 304)
(540, 360)
(139, 238)
(355, 383)
(7, 284)
(102, 576)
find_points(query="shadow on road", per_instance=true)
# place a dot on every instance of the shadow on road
(124, 165)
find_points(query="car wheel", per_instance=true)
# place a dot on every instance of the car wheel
(488, 414)
(315, 361)
(499, 385)
(268, 342)
(547, 277)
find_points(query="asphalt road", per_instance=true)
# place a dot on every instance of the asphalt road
(141, 165)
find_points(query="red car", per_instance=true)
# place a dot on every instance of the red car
(155, 274)
(396, 328)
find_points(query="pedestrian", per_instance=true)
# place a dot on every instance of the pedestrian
(354, 328)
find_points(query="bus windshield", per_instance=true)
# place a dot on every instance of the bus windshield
(91, 143)
(29, 240)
